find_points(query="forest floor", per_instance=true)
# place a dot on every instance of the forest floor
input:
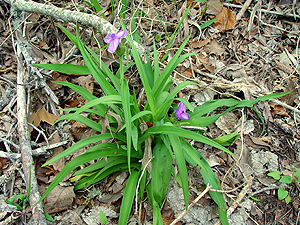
(251, 50)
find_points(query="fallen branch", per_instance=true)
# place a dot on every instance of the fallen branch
(36, 152)
(102, 25)
(24, 137)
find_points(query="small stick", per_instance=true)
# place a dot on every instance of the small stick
(263, 10)
(207, 189)
(245, 7)
(238, 200)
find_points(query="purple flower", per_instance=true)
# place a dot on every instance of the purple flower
(114, 39)
(181, 112)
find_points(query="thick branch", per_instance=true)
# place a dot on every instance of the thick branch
(97, 22)
(24, 138)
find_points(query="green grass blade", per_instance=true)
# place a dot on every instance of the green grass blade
(87, 181)
(160, 83)
(208, 23)
(180, 22)
(156, 63)
(69, 35)
(134, 30)
(105, 85)
(101, 109)
(161, 171)
(116, 161)
(248, 103)
(137, 116)
(128, 197)
(171, 130)
(142, 73)
(163, 26)
(209, 106)
(177, 149)
(115, 79)
(127, 113)
(194, 158)
(109, 100)
(78, 145)
(82, 119)
(96, 5)
(79, 161)
(65, 68)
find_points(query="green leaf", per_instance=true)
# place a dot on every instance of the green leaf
(255, 199)
(103, 218)
(228, 139)
(108, 99)
(82, 119)
(282, 193)
(167, 129)
(101, 109)
(48, 217)
(87, 181)
(208, 23)
(134, 136)
(297, 174)
(128, 197)
(69, 35)
(127, 113)
(286, 179)
(194, 158)
(65, 68)
(177, 149)
(78, 145)
(100, 78)
(209, 106)
(96, 5)
(179, 24)
(287, 199)
(275, 175)
(161, 171)
(142, 73)
(86, 157)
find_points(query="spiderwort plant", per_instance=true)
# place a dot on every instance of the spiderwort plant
(140, 133)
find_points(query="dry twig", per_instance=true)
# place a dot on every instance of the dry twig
(207, 189)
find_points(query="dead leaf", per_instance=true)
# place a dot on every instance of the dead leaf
(41, 44)
(57, 77)
(108, 198)
(58, 165)
(59, 199)
(215, 7)
(200, 43)
(2, 162)
(226, 20)
(42, 116)
(278, 110)
(256, 143)
(214, 47)
(166, 220)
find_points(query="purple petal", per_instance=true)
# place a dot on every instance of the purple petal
(113, 45)
(181, 106)
(185, 116)
(108, 38)
(121, 34)
(178, 114)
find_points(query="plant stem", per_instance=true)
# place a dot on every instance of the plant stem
(121, 70)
